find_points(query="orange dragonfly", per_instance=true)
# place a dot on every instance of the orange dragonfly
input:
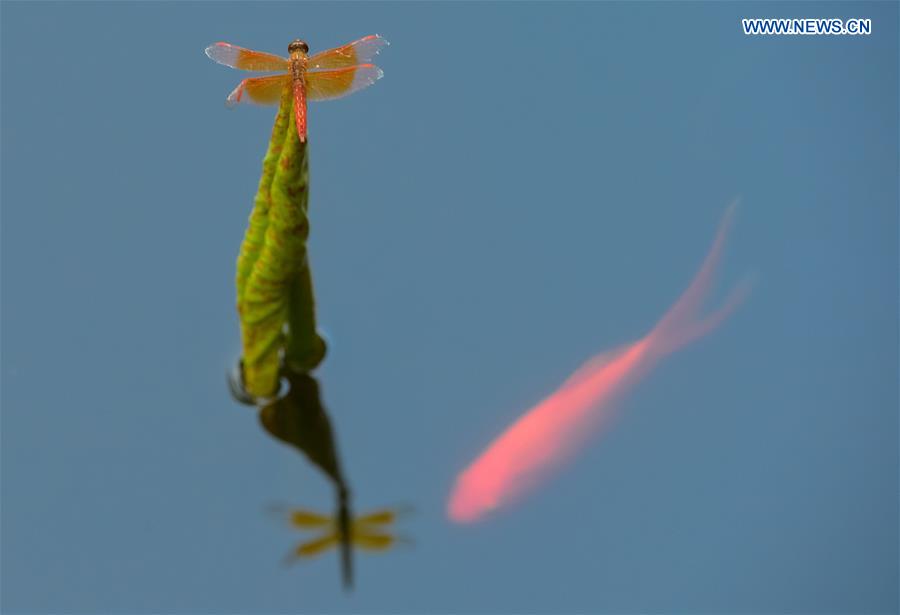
(329, 74)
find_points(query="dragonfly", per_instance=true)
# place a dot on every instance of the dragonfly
(324, 76)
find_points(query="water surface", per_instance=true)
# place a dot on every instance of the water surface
(528, 185)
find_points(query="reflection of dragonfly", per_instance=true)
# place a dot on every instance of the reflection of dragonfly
(325, 75)
(369, 532)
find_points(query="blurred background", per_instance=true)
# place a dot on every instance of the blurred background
(529, 184)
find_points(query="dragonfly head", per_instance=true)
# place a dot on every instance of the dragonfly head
(298, 45)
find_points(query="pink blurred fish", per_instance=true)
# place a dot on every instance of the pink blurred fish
(553, 429)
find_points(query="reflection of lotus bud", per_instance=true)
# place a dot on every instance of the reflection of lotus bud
(299, 419)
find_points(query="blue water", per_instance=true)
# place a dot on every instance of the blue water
(528, 185)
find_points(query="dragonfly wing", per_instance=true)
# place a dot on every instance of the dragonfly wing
(328, 84)
(306, 518)
(259, 90)
(351, 54)
(378, 517)
(317, 546)
(245, 59)
(373, 541)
